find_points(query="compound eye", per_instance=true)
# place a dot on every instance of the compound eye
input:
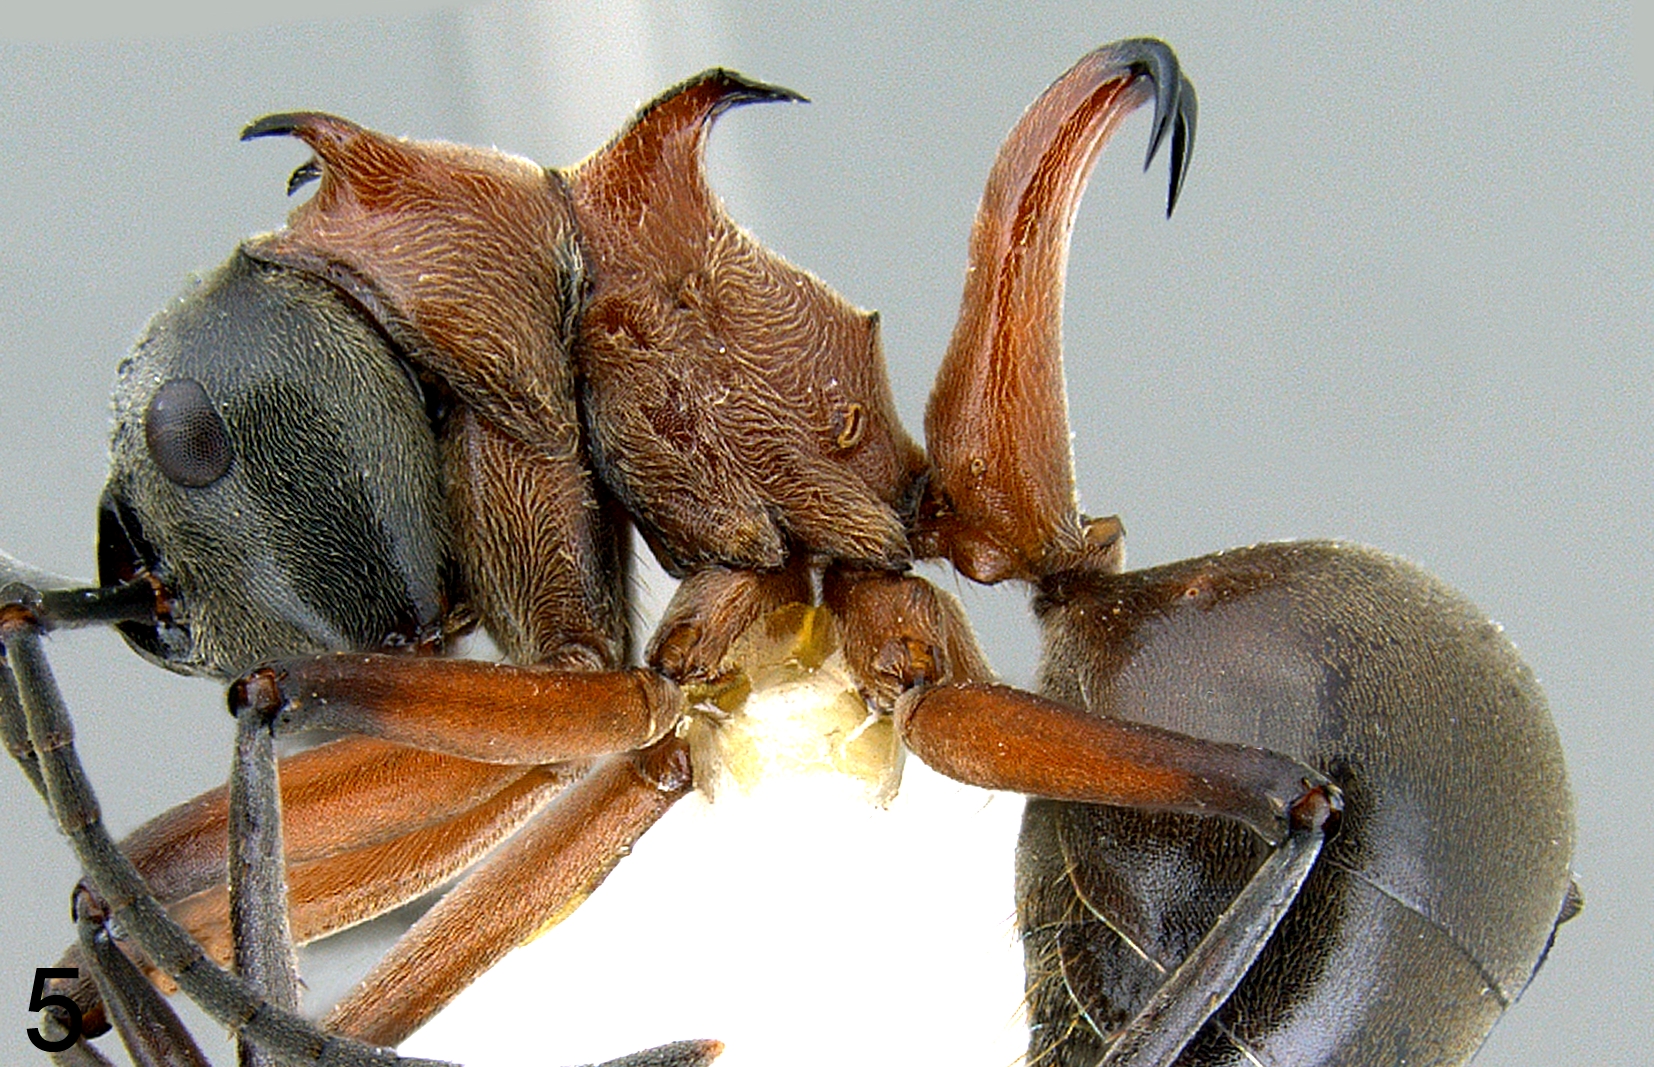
(186, 437)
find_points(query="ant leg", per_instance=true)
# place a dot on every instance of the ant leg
(174, 1041)
(997, 737)
(112, 876)
(146, 1023)
(14, 731)
(489, 712)
(355, 882)
(368, 827)
(443, 847)
(547, 868)
(714, 606)
(351, 793)
(1001, 738)
(675, 1054)
(241, 1009)
(532, 881)
(901, 631)
(333, 892)
(1210, 973)
(901, 636)
(82, 1054)
(262, 939)
(582, 847)
(40, 595)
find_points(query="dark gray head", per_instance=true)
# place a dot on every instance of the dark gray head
(273, 466)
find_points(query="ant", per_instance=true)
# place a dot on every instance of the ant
(1233, 758)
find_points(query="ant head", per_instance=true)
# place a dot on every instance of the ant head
(274, 470)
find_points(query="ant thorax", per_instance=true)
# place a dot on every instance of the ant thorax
(784, 708)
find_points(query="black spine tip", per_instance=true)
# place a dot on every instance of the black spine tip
(1183, 143)
(1175, 106)
(303, 175)
(278, 125)
(745, 90)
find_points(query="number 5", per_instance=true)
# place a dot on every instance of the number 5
(38, 1001)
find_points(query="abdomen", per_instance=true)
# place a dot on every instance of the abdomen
(1426, 915)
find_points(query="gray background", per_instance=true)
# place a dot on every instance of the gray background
(1406, 300)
